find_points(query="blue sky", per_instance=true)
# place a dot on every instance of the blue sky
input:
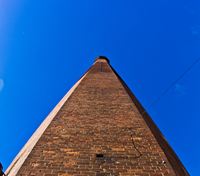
(45, 46)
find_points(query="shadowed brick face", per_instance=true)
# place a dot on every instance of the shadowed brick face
(98, 131)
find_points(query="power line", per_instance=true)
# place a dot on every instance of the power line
(165, 91)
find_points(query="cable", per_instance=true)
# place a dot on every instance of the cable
(173, 83)
(162, 94)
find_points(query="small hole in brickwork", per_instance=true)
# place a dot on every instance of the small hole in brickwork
(99, 155)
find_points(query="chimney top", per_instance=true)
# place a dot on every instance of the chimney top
(101, 59)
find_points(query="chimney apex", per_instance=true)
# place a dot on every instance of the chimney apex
(102, 59)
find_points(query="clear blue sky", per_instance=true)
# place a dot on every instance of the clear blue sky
(46, 45)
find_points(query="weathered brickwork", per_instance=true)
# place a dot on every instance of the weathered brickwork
(99, 131)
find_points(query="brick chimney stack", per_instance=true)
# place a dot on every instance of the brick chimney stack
(99, 128)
